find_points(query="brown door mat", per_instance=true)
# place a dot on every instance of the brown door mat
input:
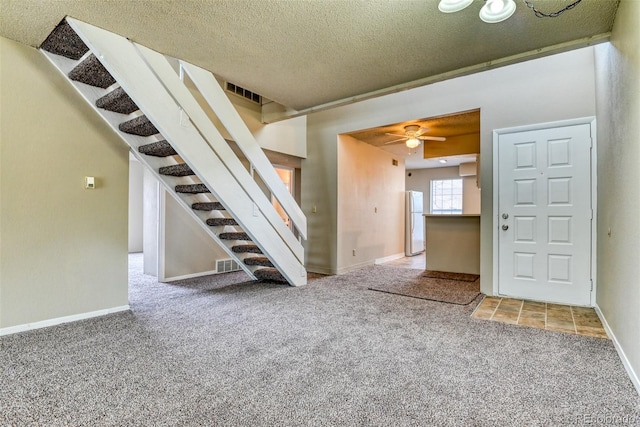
(462, 277)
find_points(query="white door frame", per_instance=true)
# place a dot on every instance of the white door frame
(591, 121)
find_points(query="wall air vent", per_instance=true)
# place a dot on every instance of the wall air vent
(251, 96)
(226, 265)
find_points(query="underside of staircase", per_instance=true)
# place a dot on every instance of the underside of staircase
(84, 68)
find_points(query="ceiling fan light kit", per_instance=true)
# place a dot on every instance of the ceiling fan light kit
(450, 6)
(413, 142)
(413, 136)
(495, 11)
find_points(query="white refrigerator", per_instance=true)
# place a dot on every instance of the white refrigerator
(414, 224)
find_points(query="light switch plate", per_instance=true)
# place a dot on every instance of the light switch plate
(89, 182)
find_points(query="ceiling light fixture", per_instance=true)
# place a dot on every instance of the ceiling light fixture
(495, 11)
(413, 142)
(450, 6)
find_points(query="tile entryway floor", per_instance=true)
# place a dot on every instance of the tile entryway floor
(418, 262)
(552, 317)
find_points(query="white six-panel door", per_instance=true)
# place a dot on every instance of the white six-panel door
(545, 214)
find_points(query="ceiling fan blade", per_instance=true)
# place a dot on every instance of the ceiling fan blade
(395, 141)
(421, 131)
(432, 138)
(395, 134)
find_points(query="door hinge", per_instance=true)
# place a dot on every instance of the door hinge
(591, 280)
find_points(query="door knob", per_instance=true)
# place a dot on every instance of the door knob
(505, 215)
(505, 227)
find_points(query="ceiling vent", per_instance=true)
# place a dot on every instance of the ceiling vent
(251, 96)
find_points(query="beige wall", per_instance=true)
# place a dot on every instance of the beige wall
(189, 251)
(63, 249)
(420, 180)
(618, 101)
(370, 204)
(150, 192)
(548, 89)
(320, 199)
(136, 185)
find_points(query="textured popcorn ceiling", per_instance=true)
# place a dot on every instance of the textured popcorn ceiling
(305, 53)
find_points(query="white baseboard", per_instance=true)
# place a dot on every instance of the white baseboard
(59, 320)
(389, 258)
(635, 379)
(320, 270)
(353, 267)
(191, 276)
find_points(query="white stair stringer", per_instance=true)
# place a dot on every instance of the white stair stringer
(226, 112)
(172, 83)
(123, 61)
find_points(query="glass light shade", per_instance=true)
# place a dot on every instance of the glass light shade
(412, 142)
(450, 6)
(495, 11)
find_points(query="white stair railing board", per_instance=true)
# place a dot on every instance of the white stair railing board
(91, 94)
(181, 94)
(123, 62)
(226, 112)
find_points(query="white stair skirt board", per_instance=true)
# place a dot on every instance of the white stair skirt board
(60, 320)
(389, 258)
(635, 379)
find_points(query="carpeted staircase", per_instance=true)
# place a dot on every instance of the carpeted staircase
(90, 71)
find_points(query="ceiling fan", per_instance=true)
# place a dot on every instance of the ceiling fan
(413, 136)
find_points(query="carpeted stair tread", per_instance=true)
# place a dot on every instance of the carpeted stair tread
(92, 72)
(192, 188)
(65, 42)
(217, 222)
(181, 169)
(207, 206)
(269, 275)
(246, 249)
(258, 260)
(139, 126)
(237, 235)
(158, 149)
(117, 101)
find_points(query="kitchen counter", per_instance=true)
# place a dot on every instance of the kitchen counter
(453, 243)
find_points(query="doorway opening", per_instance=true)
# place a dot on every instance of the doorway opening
(447, 156)
(287, 175)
